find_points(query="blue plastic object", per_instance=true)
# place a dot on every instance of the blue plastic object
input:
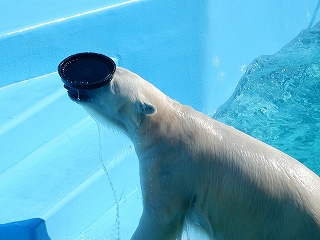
(30, 229)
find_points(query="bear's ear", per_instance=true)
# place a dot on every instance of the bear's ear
(145, 107)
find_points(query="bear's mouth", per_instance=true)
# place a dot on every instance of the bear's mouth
(77, 94)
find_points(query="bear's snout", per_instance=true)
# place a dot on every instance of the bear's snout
(77, 94)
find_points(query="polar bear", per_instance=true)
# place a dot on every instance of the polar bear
(197, 169)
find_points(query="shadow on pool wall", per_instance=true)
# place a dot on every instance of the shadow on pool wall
(278, 99)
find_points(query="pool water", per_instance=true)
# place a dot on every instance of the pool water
(278, 99)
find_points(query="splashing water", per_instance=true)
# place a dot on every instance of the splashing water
(278, 99)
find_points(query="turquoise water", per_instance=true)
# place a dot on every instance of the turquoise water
(278, 99)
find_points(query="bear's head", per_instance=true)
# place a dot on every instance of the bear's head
(121, 103)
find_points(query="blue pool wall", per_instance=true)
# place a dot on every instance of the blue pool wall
(194, 52)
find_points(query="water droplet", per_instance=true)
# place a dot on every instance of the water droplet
(78, 95)
(110, 182)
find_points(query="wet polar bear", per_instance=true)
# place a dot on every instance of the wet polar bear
(192, 167)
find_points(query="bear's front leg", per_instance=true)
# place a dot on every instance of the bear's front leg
(157, 225)
(166, 203)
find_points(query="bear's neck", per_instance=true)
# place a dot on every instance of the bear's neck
(155, 130)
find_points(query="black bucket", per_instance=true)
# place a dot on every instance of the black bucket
(85, 71)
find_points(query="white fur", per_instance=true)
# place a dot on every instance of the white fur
(195, 169)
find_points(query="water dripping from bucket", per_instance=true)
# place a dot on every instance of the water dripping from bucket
(117, 222)
(78, 95)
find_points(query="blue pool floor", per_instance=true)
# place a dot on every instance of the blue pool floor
(51, 169)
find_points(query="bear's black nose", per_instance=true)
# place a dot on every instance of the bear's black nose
(86, 71)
